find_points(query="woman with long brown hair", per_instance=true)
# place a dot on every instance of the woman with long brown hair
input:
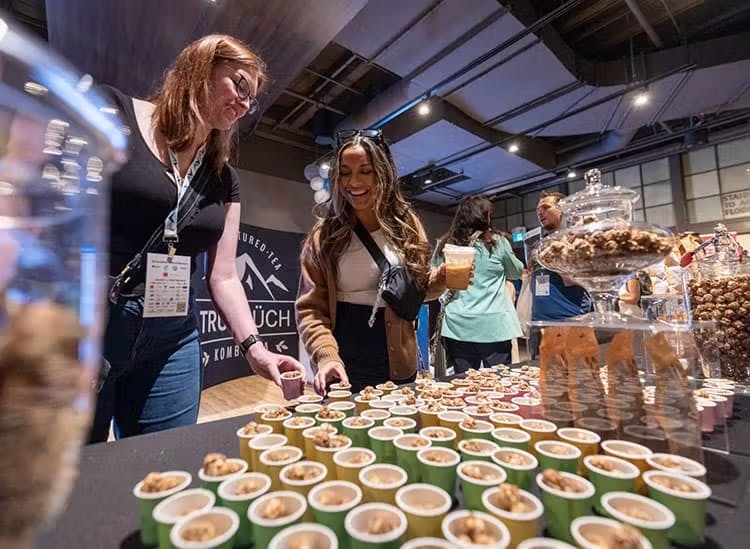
(347, 331)
(480, 323)
(181, 136)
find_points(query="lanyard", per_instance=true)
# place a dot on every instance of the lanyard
(170, 223)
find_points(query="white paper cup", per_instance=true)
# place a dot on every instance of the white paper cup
(225, 521)
(686, 466)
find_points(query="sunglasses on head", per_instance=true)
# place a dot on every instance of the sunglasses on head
(345, 135)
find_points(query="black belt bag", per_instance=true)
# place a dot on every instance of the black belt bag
(397, 288)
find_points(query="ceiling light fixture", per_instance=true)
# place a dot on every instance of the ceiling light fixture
(572, 174)
(641, 99)
(428, 181)
(424, 108)
(514, 148)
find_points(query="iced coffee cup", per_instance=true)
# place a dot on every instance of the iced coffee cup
(459, 261)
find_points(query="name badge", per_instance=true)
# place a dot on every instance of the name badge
(542, 285)
(167, 286)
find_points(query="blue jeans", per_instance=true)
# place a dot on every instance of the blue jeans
(156, 376)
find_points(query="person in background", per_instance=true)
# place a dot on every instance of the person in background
(480, 323)
(553, 298)
(347, 331)
(185, 128)
(629, 296)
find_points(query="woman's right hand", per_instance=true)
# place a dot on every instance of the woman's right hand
(327, 372)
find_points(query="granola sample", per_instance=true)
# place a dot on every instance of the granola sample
(157, 482)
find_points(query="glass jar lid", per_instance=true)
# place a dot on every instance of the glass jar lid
(597, 202)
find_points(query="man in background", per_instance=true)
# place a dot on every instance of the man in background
(553, 298)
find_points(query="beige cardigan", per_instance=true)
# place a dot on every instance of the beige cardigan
(316, 317)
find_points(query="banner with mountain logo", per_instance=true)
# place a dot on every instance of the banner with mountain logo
(268, 266)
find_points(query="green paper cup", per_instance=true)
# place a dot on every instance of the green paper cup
(275, 459)
(476, 449)
(308, 409)
(508, 437)
(407, 447)
(538, 429)
(440, 436)
(621, 477)
(506, 419)
(479, 429)
(518, 465)
(212, 483)
(147, 501)
(560, 456)
(264, 528)
(586, 441)
(672, 463)
(333, 417)
(632, 452)
(544, 543)
(405, 411)
(439, 467)
(225, 522)
(344, 406)
(406, 424)
(293, 476)
(650, 517)
(474, 412)
(381, 442)
(382, 405)
(387, 387)
(339, 395)
(521, 525)
(305, 535)
(351, 461)
(309, 399)
(276, 421)
(425, 507)
(331, 501)
(260, 444)
(243, 438)
(451, 419)
(560, 508)
(454, 525)
(381, 481)
(357, 524)
(589, 532)
(308, 435)
(686, 497)
(428, 543)
(378, 416)
(293, 428)
(356, 429)
(362, 403)
(325, 455)
(428, 417)
(177, 506)
(340, 387)
(476, 477)
(237, 494)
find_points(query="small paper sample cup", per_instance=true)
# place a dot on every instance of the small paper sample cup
(528, 407)
(318, 471)
(387, 388)
(362, 403)
(677, 464)
(650, 517)
(517, 464)
(707, 412)
(293, 428)
(147, 501)
(406, 424)
(561, 508)
(274, 460)
(544, 543)
(276, 423)
(265, 528)
(506, 419)
(404, 411)
(429, 418)
(325, 455)
(243, 439)
(428, 543)
(333, 421)
(344, 406)
(622, 477)
(439, 467)
(378, 416)
(239, 502)
(260, 444)
(212, 483)
(538, 429)
(309, 437)
(381, 481)
(450, 420)
(455, 524)
(357, 526)
(605, 428)
(590, 531)
(358, 433)
(262, 408)
(521, 526)
(477, 449)
(560, 456)
(407, 447)
(340, 386)
(308, 409)
(688, 504)
(351, 461)
(473, 412)
(508, 437)
(310, 399)
(177, 506)
(629, 451)
(331, 501)
(381, 442)
(481, 429)
(225, 522)
(292, 384)
(340, 395)
(586, 441)
(440, 436)
(305, 535)
(425, 506)
(476, 477)
(382, 404)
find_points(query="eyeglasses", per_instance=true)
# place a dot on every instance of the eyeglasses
(244, 91)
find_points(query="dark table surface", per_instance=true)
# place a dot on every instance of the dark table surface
(102, 511)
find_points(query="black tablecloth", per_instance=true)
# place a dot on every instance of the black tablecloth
(102, 511)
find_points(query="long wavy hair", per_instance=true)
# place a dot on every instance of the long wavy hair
(182, 98)
(336, 218)
(474, 213)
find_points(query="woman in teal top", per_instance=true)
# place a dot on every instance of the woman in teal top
(480, 323)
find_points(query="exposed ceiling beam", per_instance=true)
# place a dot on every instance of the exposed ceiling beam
(635, 9)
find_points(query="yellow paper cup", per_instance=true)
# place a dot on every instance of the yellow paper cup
(309, 437)
(351, 461)
(425, 506)
(452, 420)
(325, 455)
(538, 429)
(260, 444)
(225, 522)
(429, 418)
(589, 531)
(305, 535)
(293, 428)
(274, 460)
(318, 472)
(454, 525)
(262, 408)
(243, 439)
(212, 483)
(381, 481)
(586, 441)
